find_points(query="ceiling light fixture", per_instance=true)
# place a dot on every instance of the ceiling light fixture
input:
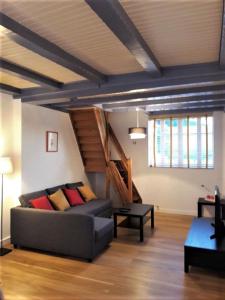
(137, 132)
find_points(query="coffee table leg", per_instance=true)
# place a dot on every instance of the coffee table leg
(186, 264)
(141, 230)
(115, 225)
(152, 218)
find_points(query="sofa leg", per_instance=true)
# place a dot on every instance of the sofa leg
(90, 260)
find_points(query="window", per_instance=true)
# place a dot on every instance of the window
(184, 142)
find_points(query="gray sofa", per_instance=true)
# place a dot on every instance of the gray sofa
(80, 231)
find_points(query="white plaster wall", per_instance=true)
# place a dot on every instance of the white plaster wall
(172, 190)
(10, 145)
(22, 137)
(41, 169)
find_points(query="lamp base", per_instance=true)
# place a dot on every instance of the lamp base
(4, 251)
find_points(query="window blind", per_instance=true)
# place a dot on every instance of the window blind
(182, 142)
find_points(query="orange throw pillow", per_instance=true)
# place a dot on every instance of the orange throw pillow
(87, 193)
(59, 201)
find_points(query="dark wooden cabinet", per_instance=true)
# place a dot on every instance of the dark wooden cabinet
(200, 250)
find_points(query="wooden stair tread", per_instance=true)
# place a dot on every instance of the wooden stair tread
(93, 154)
(95, 169)
(91, 147)
(85, 124)
(94, 161)
(95, 165)
(83, 117)
(87, 133)
(80, 111)
(89, 140)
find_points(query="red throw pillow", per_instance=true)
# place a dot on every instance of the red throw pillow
(41, 203)
(73, 197)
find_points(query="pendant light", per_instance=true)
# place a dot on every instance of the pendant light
(137, 132)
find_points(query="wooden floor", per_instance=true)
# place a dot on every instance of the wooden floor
(126, 270)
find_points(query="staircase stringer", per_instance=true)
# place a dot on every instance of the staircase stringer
(76, 137)
(103, 134)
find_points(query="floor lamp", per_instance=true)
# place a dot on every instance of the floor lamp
(5, 168)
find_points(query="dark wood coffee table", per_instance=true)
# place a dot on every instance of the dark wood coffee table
(136, 217)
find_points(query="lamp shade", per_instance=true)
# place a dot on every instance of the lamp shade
(6, 166)
(137, 133)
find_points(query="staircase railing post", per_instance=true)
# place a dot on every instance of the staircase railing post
(129, 183)
(107, 182)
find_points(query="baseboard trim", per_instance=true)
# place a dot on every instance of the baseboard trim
(177, 211)
(6, 240)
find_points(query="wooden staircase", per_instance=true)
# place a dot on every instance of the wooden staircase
(93, 132)
(90, 140)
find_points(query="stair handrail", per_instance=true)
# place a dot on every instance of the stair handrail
(129, 180)
(126, 162)
(118, 147)
(121, 186)
(103, 133)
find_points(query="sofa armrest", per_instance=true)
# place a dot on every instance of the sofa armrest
(56, 231)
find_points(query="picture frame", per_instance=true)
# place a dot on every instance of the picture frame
(51, 141)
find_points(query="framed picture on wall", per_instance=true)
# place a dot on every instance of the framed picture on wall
(51, 141)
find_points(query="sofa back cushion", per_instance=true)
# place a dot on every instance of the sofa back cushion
(41, 203)
(54, 189)
(74, 186)
(73, 196)
(59, 201)
(26, 198)
(87, 193)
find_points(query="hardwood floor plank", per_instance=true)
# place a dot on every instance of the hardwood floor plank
(127, 270)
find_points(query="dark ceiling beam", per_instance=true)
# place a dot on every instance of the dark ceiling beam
(162, 101)
(174, 78)
(114, 16)
(153, 107)
(45, 48)
(29, 75)
(222, 39)
(50, 106)
(186, 111)
(115, 101)
(8, 89)
(170, 106)
(152, 101)
(145, 95)
(192, 70)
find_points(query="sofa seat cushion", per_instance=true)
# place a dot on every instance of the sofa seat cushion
(102, 227)
(93, 207)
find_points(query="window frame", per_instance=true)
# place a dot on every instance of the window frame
(182, 116)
